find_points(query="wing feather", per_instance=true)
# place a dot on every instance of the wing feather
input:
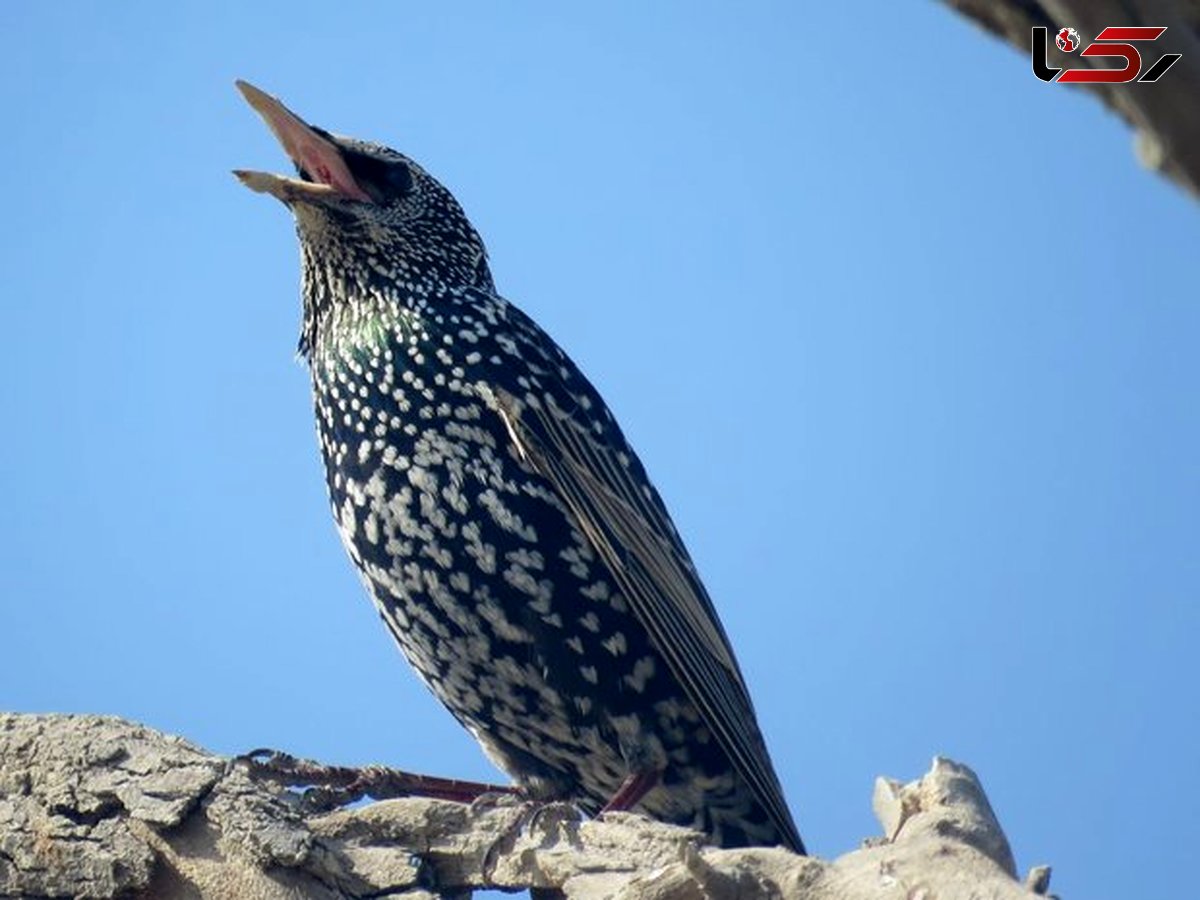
(604, 487)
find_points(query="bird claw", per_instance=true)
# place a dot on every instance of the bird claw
(326, 787)
(275, 765)
(496, 800)
(558, 812)
(527, 820)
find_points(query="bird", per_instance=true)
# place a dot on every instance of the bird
(508, 535)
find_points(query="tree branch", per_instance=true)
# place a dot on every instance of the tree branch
(98, 807)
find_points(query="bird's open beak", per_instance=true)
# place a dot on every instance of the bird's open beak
(317, 156)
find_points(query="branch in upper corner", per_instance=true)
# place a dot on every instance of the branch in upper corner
(1164, 114)
(102, 808)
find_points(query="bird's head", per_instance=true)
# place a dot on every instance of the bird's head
(365, 210)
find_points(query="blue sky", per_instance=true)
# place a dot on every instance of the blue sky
(907, 341)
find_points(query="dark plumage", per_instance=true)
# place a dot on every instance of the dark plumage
(509, 536)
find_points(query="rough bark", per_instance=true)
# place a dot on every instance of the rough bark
(98, 807)
(1165, 115)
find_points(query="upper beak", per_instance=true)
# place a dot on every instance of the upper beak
(318, 156)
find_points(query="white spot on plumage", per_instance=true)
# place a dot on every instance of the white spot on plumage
(616, 644)
(643, 671)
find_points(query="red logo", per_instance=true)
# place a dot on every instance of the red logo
(1067, 40)
(1115, 41)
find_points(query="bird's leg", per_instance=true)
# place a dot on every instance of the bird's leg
(635, 786)
(332, 786)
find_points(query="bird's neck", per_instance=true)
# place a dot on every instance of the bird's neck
(348, 296)
(345, 306)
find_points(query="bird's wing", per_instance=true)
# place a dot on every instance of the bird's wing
(584, 456)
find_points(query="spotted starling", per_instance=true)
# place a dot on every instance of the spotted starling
(507, 533)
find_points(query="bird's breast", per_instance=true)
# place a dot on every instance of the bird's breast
(477, 566)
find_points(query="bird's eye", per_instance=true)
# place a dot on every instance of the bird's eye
(384, 180)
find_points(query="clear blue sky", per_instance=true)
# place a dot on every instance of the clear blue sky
(906, 338)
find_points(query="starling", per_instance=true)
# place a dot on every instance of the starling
(508, 535)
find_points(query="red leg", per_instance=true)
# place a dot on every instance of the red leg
(377, 780)
(635, 786)
(333, 786)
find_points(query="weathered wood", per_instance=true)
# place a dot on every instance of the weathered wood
(99, 807)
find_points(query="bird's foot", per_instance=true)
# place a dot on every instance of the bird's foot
(331, 787)
(546, 814)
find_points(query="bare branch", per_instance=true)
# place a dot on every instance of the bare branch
(102, 808)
